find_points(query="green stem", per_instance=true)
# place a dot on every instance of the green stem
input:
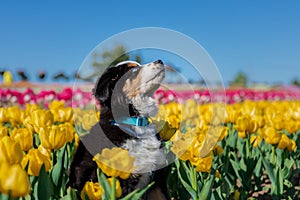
(194, 178)
(273, 154)
(113, 189)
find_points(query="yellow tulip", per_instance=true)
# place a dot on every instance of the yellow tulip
(218, 175)
(174, 121)
(118, 186)
(10, 151)
(242, 134)
(224, 133)
(277, 122)
(44, 151)
(209, 139)
(24, 137)
(88, 121)
(242, 123)
(93, 190)
(14, 115)
(292, 126)
(218, 150)
(56, 105)
(41, 119)
(292, 146)
(271, 136)
(205, 118)
(190, 109)
(53, 137)
(296, 112)
(3, 131)
(218, 111)
(69, 131)
(35, 159)
(13, 180)
(3, 115)
(115, 162)
(245, 125)
(63, 115)
(255, 140)
(166, 131)
(284, 142)
(231, 114)
(236, 195)
(184, 144)
(77, 140)
(202, 164)
(29, 108)
(249, 108)
(258, 121)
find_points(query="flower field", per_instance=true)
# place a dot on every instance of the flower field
(244, 147)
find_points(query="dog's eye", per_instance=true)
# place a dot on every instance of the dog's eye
(115, 78)
(135, 70)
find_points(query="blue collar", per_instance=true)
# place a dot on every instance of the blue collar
(135, 121)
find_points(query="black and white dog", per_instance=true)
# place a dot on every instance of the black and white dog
(125, 94)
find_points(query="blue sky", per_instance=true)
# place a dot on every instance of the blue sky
(260, 38)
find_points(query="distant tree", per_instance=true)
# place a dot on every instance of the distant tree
(296, 82)
(116, 55)
(138, 59)
(240, 79)
(109, 58)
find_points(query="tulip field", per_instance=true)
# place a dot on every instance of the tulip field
(246, 146)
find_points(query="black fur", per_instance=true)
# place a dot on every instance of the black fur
(104, 135)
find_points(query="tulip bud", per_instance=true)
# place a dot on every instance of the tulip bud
(35, 159)
(13, 180)
(3, 115)
(24, 137)
(271, 136)
(115, 162)
(41, 118)
(3, 131)
(92, 190)
(10, 151)
(52, 138)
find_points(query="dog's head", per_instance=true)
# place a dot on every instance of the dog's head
(128, 87)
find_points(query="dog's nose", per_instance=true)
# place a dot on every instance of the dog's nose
(158, 62)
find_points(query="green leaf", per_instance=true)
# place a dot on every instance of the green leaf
(232, 138)
(236, 168)
(36, 140)
(287, 169)
(137, 194)
(189, 188)
(206, 190)
(186, 171)
(242, 164)
(113, 189)
(288, 183)
(257, 169)
(44, 185)
(4, 197)
(104, 184)
(71, 195)
(57, 170)
(269, 168)
(130, 195)
(279, 183)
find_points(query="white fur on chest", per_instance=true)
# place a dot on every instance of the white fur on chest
(149, 156)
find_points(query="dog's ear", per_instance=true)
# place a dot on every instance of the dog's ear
(105, 85)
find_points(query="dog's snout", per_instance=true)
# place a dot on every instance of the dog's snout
(158, 62)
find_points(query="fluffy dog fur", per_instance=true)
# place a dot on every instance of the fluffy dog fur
(125, 90)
